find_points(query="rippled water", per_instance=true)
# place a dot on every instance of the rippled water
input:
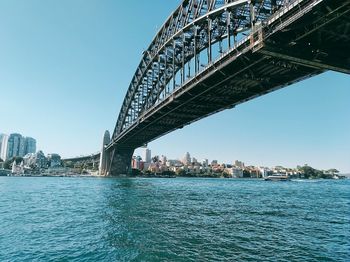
(83, 219)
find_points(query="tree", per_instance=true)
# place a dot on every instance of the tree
(308, 171)
(8, 163)
(332, 171)
(18, 160)
(246, 173)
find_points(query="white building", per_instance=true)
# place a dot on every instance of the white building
(264, 171)
(1, 136)
(17, 169)
(38, 160)
(235, 172)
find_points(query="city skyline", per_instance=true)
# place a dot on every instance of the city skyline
(66, 68)
(16, 145)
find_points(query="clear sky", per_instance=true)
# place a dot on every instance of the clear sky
(65, 67)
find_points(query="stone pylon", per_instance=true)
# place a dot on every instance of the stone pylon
(104, 157)
(120, 163)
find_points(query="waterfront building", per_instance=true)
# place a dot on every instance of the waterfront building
(40, 159)
(29, 160)
(265, 172)
(137, 163)
(237, 172)
(17, 168)
(37, 160)
(148, 156)
(54, 160)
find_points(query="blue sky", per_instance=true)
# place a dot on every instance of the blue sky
(65, 67)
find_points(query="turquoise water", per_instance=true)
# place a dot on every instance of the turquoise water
(90, 219)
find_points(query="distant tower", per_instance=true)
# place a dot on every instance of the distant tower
(148, 156)
(187, 159)
(104, 155)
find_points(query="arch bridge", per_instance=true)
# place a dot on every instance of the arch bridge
(211, 55)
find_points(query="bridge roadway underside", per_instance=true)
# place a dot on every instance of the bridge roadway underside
(317, 42)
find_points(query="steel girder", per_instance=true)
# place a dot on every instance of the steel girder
(197, 32)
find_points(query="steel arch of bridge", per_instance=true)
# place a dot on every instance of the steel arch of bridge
(192, 38)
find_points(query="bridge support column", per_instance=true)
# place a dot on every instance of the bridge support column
(104, 156)
(120, 162)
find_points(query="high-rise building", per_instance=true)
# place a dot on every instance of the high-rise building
(148, 157)
(1, 137)
(22, 147)
(187, 159)
(16, 145)
(30, 145)
(4, 145)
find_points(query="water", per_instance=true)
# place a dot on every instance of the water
(83, 219)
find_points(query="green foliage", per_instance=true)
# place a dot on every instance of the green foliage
(246, 173)
(181, 172)
(68, 164)
(312, 173)
(8, 164)
(226, 175)
(18, 159)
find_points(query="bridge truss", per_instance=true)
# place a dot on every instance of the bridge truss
(195, 35)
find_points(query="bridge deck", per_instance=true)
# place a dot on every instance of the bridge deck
(297, 48)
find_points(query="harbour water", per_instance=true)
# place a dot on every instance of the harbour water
(92, 219)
